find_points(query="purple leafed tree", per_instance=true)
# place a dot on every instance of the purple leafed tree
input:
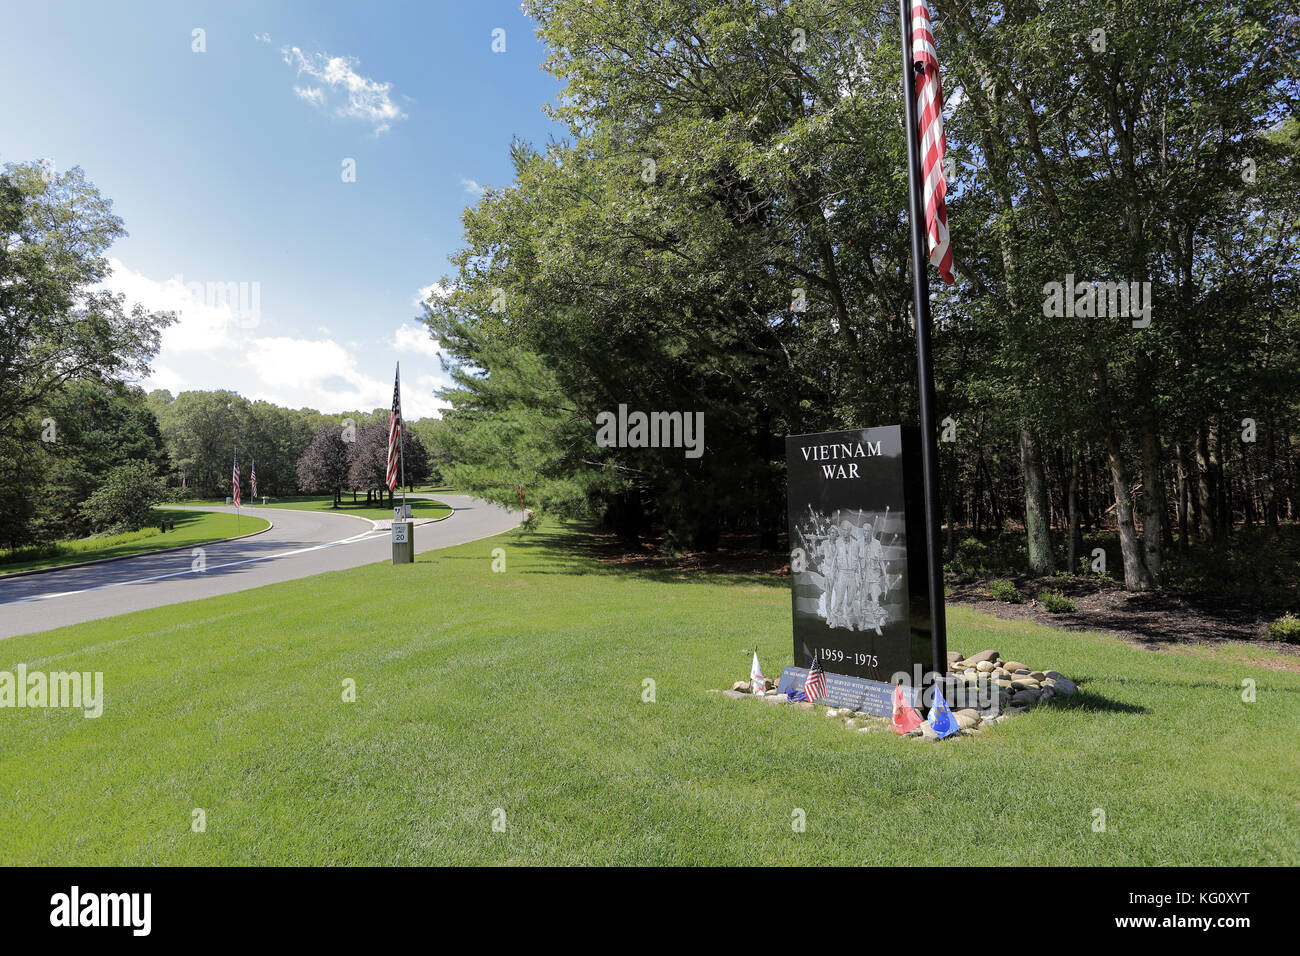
(323, 467)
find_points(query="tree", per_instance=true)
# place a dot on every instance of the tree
(124, 499)
(368, 461)
(59, 328)
(324, 466)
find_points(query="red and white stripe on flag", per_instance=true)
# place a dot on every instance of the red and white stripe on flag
(929, 119)
(234, 481)
(394, 433)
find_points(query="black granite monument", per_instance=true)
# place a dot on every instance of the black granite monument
(858, 560)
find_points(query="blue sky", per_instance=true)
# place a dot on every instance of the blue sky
(227, 164)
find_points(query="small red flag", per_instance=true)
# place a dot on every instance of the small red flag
(906, 719)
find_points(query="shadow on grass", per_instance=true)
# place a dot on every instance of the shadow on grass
(575, 549)
(1093, 703)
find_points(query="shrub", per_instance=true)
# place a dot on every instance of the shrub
(1285, 628)
(123, 500)
(1004, 591)
(1056, 602)
(970, 556)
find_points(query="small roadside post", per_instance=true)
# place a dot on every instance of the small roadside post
(403, 535)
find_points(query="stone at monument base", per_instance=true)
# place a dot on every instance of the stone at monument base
(856, 693)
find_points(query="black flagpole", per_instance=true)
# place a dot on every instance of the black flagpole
(924, 360)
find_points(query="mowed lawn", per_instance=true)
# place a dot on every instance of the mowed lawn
(192, 528)
(420, 507)
(518, 695)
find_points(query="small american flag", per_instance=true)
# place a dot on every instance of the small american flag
(395, 431)
(234, 480)
(814, 687)
(929, 119)
(252, 477)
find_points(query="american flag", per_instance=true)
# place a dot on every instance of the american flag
(929, 118)
(252, 477)
(395, 431)
(234, 480)
(814, 687)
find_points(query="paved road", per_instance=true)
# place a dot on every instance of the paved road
(300, 544)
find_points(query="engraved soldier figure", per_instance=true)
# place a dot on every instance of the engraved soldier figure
(847, 554)
(830, 567)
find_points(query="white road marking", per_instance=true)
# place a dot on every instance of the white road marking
(363, 536)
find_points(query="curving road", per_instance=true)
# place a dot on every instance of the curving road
(300, 544)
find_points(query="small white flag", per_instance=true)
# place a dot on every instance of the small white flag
(756, 675)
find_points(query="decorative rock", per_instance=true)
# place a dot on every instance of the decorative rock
(1014, 666)
(1054, 675)
(966, 722)
(735, 694)
(776, 699)
(953, 658)
(1046, 694)
(1021, 671)
(1037, 675)
(982, 656)
(984, 666)
(741, 685)
(1025, 697)
(834, 712)
(1064, 686)
(1024, 683)
(1002, 682)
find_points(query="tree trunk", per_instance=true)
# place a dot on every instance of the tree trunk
(1219, 460)
(1180, 454)
(1037, 515)
(1270, 485)
(1204, 498)
(1154, 507)
(1136, 577)
(1072, 504)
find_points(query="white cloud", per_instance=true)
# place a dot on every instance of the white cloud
(472, 187)
(312, 94)
(215, 344)
(415, 338)
(433, 288)
(262, 37)
(353, 96)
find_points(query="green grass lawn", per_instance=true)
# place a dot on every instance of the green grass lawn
(522, 691)
(192, 528)
(420, 507)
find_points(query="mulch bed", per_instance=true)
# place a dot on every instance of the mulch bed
(1153, 619)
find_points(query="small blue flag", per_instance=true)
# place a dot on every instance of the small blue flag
(942, 722)
(794, 696)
